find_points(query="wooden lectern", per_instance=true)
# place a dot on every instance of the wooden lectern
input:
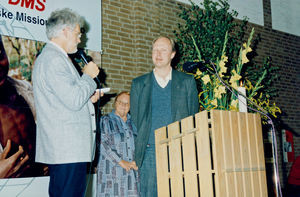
(214, 154)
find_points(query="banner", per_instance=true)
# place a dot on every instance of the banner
(27, 18)
(22, 26)
(38, 186)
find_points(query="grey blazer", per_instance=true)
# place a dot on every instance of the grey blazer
(65, 114)
(184, 102)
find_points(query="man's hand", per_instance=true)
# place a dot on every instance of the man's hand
(96, 96)
(9, 166)
(128, 165)
(91, 69)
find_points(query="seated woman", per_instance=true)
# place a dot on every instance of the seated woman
(117, 172)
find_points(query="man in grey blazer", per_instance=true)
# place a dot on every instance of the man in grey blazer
(157, 99)
(65, 113)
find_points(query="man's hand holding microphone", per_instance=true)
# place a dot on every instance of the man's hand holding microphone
(92, 70)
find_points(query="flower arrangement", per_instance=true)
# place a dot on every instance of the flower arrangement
(214, 95)
(212, 33)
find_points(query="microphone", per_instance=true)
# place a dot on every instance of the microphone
(86, 59)
(191, 66)
(83, 56)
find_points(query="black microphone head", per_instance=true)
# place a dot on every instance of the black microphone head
(191, 66)
(80, 51)
(82, 55)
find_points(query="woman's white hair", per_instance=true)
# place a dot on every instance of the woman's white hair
(60, 19)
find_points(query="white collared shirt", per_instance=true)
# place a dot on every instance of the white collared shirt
(163, 82)
(59, 47)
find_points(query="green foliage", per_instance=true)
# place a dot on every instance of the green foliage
(208, 27)
(251, 73)
(212, 34)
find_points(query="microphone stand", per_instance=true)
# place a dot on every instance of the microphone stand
(270, 122)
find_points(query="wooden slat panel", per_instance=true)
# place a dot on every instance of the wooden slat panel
(204, 155)
(218, 156)
(237, 147)
(189, 157)
(237, 161)
(162, 163)
(175, 161)
(260, 156)
(245, 154)
(253, 155)
(228, 154)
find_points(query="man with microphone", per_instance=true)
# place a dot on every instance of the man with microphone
(65, 113)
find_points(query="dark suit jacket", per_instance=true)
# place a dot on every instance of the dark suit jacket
(184, 102)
